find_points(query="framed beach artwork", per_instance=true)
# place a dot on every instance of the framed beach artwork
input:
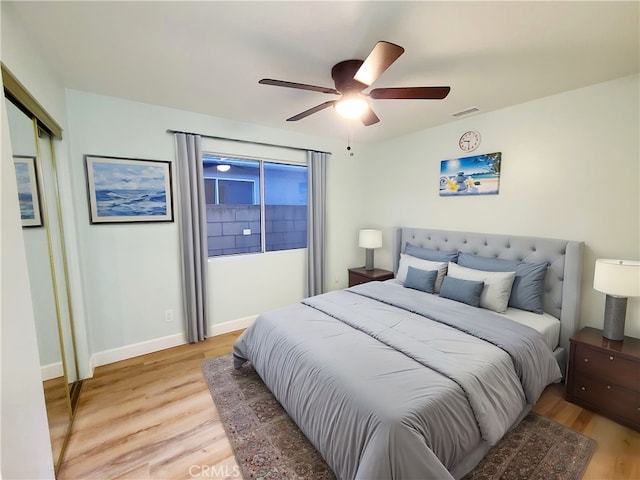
(476, 175)
(124, 190)
(28, 192)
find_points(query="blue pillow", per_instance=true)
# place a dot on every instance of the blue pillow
(528, 286)
(465, 291)
(430, 253)
(424, 280)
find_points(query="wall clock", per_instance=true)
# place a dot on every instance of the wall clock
(469, 141)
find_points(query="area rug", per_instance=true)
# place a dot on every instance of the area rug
(268, 445)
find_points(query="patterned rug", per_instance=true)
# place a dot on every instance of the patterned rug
(268, 445)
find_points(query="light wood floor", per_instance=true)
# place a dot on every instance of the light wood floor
(153, 417)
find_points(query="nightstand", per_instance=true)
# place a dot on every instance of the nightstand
(360, 275)
(604, 376)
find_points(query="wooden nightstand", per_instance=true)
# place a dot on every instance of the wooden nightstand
(604, 376)
(360, 275)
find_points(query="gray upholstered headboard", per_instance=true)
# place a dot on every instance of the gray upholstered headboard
(562, 283)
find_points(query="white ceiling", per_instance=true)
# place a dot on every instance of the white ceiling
(208, 56)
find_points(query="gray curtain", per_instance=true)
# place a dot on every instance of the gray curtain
(316, 167)
(193, 234)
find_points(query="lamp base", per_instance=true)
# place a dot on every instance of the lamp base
(368, 264)
(615, 311)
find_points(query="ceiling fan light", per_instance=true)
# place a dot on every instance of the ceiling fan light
(351, 107)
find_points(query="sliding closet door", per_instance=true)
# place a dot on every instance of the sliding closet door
(34, 163)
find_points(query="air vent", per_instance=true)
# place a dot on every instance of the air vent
(468, 111)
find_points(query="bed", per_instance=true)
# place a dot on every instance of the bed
(389, 380)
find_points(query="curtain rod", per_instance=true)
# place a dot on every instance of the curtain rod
(248, 141)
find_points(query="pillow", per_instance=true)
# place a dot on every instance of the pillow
(430, 253)
(407, 261)
(497, 285)
(424, 280)
(528, 287)
(465, 291)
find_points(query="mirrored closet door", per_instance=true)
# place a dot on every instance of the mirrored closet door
(35, 165)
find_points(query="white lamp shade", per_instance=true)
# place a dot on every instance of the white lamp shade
(620, 278)
(370, 238)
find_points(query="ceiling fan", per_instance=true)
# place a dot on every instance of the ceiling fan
(351, 77)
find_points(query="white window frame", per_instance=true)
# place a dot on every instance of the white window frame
(261, 161)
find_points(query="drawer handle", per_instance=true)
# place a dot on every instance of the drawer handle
(610, 358)
(608, 387)
(586, 360)
(583, 389)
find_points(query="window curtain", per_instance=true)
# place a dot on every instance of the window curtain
(193, 234)
(316, 168)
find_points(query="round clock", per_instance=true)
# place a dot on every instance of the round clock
(469, 141)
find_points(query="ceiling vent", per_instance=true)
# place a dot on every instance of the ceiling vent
(468, 111)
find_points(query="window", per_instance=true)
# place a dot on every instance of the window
(229, 191)
(254, 205)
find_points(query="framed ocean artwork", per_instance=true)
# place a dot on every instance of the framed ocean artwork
(124, 190)
(28, 192)
(476, 175)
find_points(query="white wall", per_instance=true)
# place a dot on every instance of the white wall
(570, 169)
(29, 65)
(132, 272)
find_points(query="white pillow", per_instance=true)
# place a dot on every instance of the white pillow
(407, 261)
(497, 285)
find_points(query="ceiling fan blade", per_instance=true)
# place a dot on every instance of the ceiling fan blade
(380, 58)
(369, 117)
(432, 93)
(300, 86)
(313, 110)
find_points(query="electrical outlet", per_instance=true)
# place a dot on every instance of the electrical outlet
(168, 316)
(246, 231)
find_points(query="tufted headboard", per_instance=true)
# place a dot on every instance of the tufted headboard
(562, 282)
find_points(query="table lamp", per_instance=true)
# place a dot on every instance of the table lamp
(369, 239)
(619, 279)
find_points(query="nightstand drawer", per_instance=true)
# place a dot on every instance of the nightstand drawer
(608, 396)
(607, 365)
(357, 279)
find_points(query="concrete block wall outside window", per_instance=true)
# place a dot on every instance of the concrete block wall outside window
(286, 228)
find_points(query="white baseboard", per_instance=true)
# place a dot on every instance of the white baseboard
(53, 370)
(129, 351)
(232, 326)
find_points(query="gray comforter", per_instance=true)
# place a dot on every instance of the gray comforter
(390, 383)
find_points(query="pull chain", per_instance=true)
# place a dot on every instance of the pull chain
(350, 139)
